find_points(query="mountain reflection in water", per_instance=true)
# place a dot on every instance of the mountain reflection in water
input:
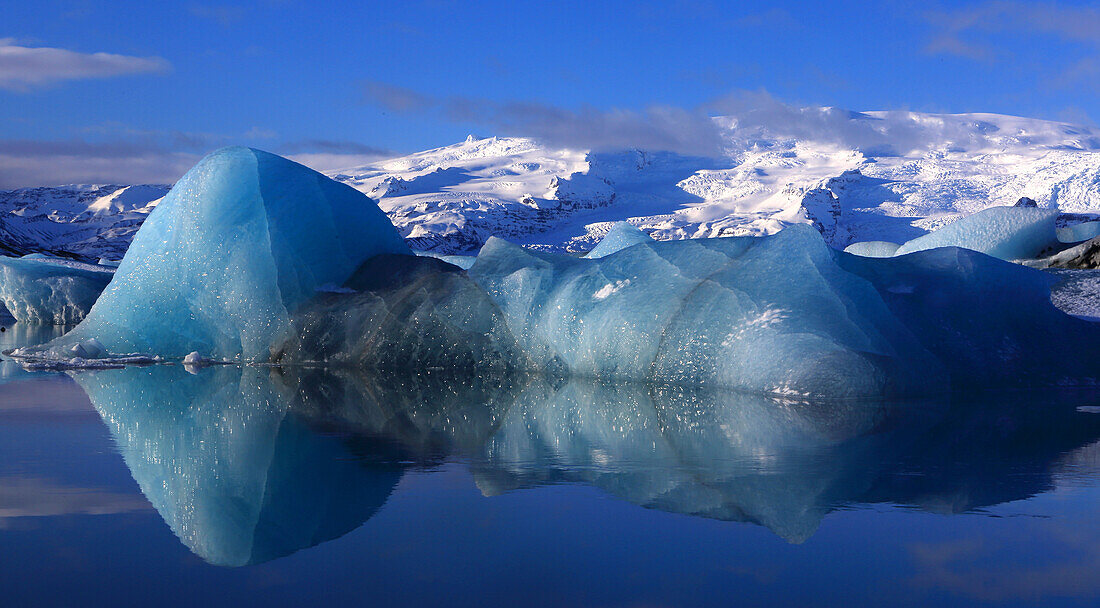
(250, 464)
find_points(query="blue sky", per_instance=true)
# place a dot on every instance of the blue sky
(136, 91)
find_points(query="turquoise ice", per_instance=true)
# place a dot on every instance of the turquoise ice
(240, 242)
(40, 290)
(621, 236)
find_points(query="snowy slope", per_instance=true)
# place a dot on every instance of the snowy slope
(912, 173)
(83, 221)
(452, 198)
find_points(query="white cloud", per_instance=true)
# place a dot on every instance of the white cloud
(23, 68)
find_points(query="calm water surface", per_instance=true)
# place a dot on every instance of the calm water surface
(228, 486)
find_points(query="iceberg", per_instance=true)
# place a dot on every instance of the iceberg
(411, 313)
(1079, 233)
(786, 315)
(237, 245)
(873, 249)
(40, 290)
(619, 237)
(1008, 233)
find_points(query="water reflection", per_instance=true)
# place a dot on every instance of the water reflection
(246, 465)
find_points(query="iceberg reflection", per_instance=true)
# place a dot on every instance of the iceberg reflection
(247, 465)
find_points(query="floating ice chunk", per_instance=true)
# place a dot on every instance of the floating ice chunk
(1009, 233)
(234, 248)
(38, 289)
(621, 236)
(873, 249)
(1079, 233)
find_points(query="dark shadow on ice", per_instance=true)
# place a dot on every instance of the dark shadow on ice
(247, 465)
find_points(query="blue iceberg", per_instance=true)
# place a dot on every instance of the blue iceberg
(238, 244)
(40, 290)
(787, 315)
(621, 236)
(1008, 233)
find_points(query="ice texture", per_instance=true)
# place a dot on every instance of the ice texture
(872, 249)
(405, 312)
(787, 315)
(1079, 233)
(1008, 233)
(621, 236)
(41, 290)
(239, 243)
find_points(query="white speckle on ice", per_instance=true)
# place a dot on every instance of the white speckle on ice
(609, 289)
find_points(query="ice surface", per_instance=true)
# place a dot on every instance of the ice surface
(241, 241)
(772, 315)
(873, 249)
(621, 236)
(1008, 233)
(408, 313)
(1079, 233)
(38, 289)
(787, 315)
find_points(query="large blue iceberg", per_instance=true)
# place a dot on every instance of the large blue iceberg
(241, 241)
(40, 290)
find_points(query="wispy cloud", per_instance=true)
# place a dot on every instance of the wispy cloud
(686, 130)
(23, 68)
(330, 155)
(954, 29)
(26, 163)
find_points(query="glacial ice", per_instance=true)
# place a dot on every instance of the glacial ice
(41, 290)
(1079, 233)
(1008, 233)
(238, 244)
(619, 237)
(873, 249)
(785, 314)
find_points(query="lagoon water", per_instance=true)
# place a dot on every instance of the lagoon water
(228, 486)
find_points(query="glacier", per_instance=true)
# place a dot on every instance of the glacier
(37, 289)
(241, 241)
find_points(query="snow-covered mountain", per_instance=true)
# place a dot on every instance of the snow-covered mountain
(451, 199)
(866, 176)
(83, 221)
